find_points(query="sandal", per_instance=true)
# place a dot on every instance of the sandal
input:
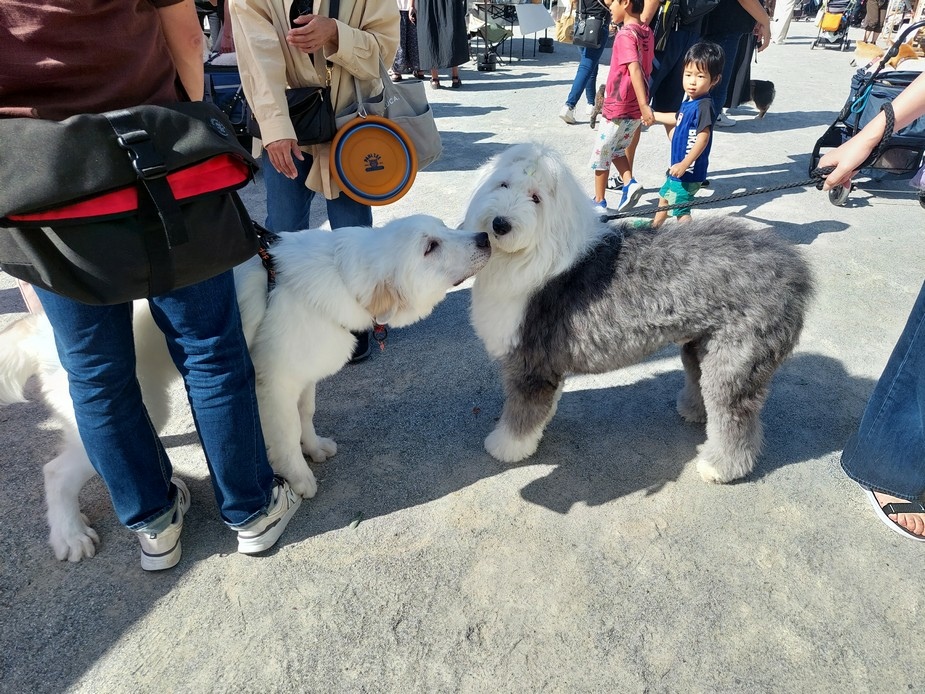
(884, 511)
(396, 77)
(435, 84)
(456, 83)
(418, 75)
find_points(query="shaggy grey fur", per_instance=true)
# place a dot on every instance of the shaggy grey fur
(733, 297)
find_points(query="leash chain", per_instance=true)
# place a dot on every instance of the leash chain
(817, 176)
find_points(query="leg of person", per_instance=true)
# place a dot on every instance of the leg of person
(434, 78)
(456, 83)
(344, 211)
(587, 68)
(600, 186)
(289, 202)
(661, 215)
(730, 45)
(632, 189)
(666, 84)
(887, 454)
(780, 25)
(96, 348)
(202, 326)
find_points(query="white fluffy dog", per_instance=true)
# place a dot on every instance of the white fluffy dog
(327, 285)
(564, 293)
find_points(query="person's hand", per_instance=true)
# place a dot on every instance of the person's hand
(312, 33)
(677, 170)
(762, 35)
(647, 117)
(281, 152)
(412, 15)
(846, 159)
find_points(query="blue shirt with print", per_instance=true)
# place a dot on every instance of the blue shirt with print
(693, 117)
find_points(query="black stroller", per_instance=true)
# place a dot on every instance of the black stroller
(833, 27)
(903, 155)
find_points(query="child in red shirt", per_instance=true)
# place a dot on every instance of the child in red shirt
(626, 100)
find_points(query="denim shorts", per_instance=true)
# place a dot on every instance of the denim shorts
(615, 137)
(678, 192)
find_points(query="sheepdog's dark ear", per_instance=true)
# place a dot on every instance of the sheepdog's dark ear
(386, 300)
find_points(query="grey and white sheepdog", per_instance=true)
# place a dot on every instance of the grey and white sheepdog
(565, 294)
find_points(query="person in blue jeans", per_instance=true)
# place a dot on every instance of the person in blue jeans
(585, 80)
(201, 323)
(886, 455)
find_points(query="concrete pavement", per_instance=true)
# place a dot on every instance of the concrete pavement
(603, 563)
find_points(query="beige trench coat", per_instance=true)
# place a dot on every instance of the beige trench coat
(367, 30)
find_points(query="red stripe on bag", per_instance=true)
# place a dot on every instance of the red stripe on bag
(223, 172)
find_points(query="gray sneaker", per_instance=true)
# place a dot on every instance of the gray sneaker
(162, 550)
(261, 534)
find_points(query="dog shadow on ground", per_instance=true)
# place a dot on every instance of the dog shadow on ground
(477, 146)
(779, 121)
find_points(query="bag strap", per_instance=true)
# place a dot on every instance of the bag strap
(149, 164)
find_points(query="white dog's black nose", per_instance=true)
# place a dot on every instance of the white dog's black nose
(481, 240)
(500, 226)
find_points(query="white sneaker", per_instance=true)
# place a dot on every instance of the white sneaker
(589, 109)
(724, 121)
(162, 550)
(261, 534)
(568, 115)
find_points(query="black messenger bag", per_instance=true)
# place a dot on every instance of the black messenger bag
(106, 208)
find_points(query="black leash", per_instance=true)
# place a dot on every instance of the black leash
(817, 178)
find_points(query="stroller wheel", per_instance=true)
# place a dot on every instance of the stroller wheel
(839, 196)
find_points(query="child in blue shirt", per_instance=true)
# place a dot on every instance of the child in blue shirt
(691, 136)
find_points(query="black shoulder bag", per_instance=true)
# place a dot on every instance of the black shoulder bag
(106, 208)
(310, 108)
(590, 31)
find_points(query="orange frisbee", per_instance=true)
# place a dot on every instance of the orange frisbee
(373, 161)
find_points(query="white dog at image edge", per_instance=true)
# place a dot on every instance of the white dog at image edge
(327, 285)
(564, 293)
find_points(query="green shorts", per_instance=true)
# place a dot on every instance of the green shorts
(678, 192)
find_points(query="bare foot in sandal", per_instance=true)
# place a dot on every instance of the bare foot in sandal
(907, 517)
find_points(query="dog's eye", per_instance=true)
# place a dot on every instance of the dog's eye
(431, 247)
(536, 198)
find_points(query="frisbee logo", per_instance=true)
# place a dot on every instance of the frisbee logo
(373, 162)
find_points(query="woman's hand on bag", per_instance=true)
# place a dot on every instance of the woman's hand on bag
(314, 33)
(281, 153)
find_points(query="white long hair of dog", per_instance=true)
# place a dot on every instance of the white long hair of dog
(539, 222)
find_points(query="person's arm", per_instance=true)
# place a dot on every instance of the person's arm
(700, 144)
(649, 10)
(356, 49)
(180, 25)
(847, 159)
(664, 118)
(762, 22)
(642, 96)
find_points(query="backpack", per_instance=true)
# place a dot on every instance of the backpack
(693, 9)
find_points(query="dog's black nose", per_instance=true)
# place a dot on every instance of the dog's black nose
(481, 240)
(500, 226)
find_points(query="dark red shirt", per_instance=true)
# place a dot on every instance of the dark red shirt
(59, 58)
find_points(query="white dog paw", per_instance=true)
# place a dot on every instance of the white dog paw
(320, 449)
(75, 541)
(504, 447)
(303, 483)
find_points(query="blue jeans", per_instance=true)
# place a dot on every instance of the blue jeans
(887, 454)
(289, 202)
(586, 77)
(730, 45)
(202, 327)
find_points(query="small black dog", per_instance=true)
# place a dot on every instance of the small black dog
(762, 94)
